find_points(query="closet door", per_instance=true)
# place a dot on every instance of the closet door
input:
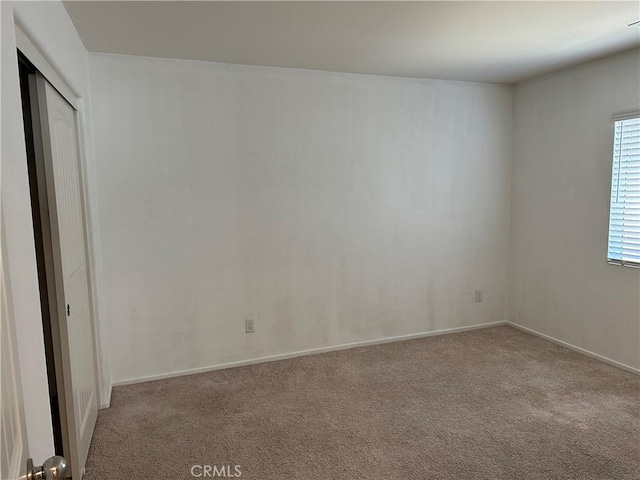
(66, 216)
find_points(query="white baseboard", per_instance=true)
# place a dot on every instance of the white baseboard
(589, 353)
(301, 353)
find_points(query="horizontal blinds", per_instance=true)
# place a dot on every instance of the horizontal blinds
(624, 220)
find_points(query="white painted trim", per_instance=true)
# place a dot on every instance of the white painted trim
(106, 401)
(583, 351)
(83, 152)
(33, 53)
(302, 353)
(26, 46)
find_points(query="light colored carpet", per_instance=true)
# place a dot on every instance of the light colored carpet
(486, 404)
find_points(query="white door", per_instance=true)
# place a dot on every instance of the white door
(66, 213)
(13, 459)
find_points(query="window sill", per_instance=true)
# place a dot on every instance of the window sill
(622, 263)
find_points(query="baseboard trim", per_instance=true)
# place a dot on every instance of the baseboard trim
(583, 351)
(302, 353)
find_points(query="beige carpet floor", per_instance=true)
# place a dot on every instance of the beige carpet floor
(486, 404)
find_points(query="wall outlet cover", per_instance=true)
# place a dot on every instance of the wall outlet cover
(249, 327)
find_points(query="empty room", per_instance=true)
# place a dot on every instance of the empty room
(320, 240)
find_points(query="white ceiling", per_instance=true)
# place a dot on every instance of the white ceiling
(504, 42)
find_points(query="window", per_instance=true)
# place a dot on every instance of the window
(624, 216)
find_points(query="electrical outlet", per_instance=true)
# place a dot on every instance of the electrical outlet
(248, 325)
(479, 295)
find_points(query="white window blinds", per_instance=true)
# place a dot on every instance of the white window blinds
(624, 217)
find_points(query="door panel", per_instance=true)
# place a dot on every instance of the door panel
(14, 451)
(62, 171)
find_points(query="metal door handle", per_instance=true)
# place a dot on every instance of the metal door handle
(53, 468)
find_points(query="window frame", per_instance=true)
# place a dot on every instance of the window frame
(626, 115)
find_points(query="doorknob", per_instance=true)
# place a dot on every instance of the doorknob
(53, 468)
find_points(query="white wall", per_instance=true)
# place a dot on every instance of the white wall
(560, 283)
(331, 208)
(50, 29)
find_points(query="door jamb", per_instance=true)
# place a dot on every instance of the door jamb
(30, 51)
(39, 60)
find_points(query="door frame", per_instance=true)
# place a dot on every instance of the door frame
(15, 434)
(38, 59)
(40, 62)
